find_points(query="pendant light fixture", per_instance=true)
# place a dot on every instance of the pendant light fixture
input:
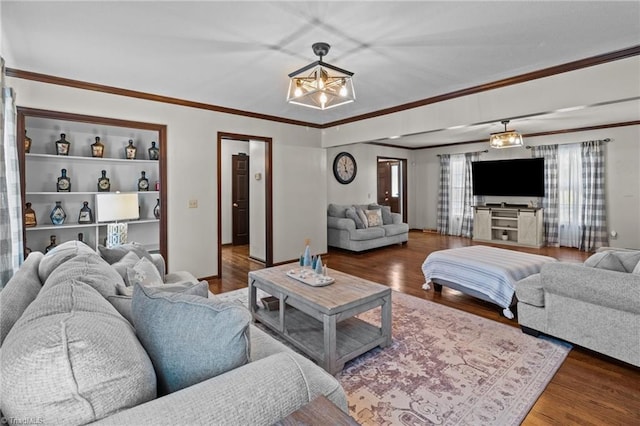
(506, 139)
(320, 85)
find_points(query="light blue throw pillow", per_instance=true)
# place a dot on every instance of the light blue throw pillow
(189, 338)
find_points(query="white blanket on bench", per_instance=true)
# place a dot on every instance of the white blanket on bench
(490, 271)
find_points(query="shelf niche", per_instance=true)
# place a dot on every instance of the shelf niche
(40, 168)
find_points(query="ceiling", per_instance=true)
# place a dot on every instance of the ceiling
(238, 54)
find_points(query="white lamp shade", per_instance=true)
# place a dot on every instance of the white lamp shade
(112, 207)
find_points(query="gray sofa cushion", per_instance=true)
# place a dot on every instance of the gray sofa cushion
(620, 261)
(18, 293)
(127, 261)
(353, 215)
(59, 255)
(367, 234)
(89, 269)
(529, 290)
(395, 229)
(167, 324)
(337, 210)
(72, 359)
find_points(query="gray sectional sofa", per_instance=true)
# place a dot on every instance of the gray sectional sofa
(344, 231)
(69, 356)
(595, 305)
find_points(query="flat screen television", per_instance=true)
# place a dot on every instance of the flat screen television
(522, 177)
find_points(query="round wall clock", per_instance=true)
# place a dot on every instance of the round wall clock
(344, 168)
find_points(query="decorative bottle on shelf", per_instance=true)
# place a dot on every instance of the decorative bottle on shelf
(104, 185)
(130, 151)
(52, 244)
(97, 148)
(27, 142)
(143, 182)
(64, 182)
(85, 215)
(63, 145)
(153, 151)
(30, 217)
(58, 215)
(156, 209)
(81, 237)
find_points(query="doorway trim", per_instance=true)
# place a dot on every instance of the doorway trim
(268, 180)
(405, 184)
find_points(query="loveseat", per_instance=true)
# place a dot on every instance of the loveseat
(349, 227)
(68, 356)
(595, 305)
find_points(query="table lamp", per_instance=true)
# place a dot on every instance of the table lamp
(115, 207)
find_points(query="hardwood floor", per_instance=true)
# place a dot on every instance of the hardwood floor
(588, 389)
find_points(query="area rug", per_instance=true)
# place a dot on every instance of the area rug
(446, 367)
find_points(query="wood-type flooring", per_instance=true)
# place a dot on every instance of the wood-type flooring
(588, 389)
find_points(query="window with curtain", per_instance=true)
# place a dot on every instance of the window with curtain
(456, 193)
(570, 196)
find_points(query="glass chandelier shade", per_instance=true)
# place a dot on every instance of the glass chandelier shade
(320, 85)
(506, 139)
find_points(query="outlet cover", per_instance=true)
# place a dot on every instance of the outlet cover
(193, 204)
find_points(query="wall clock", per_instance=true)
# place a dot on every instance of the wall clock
(344, 168)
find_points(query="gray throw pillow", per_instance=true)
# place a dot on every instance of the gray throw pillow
(114, 254)
(605, 260)
(363, 216)
(351, 214)
(189, 338)
(128, 261)
(144, 272)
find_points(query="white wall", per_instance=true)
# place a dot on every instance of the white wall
(191, 170)
(622, 178)
(257, 201)
(229, 148)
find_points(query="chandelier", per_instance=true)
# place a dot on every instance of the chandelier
(320, 85)
(506, 139)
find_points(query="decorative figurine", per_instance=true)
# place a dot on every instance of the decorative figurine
(156, 209)
(130, 151)
(63, 145)
(104, 185)
(153, 151)
(30, 217)
(58, 215)
(86, 215)
(27, 142)
(52, 245)
(81, 237)
(97, 148)
(143, 183)
(64, 182)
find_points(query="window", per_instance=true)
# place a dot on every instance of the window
(456, 192)
(395, 179)
(569, 195)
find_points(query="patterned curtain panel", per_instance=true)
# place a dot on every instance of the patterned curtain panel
(550, 200)
(467, 213)
(11, 251)
(443, 195)
(593, 212)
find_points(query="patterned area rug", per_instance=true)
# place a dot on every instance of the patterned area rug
(446, 367)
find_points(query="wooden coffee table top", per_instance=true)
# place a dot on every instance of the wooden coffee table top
(347, 291)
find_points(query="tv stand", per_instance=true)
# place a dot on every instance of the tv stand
(522, 226)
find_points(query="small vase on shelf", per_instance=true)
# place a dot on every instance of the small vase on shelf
(156, 209)
(86, 215)
(143, 182)
(130, 151)
(63, 145)
(58, 215)
(52, 244)
(64, 182)
(30, 217)
(97, 148)
(104, 185)
(153, 151)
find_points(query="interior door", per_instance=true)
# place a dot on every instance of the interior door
(388, 184)
(240, 199)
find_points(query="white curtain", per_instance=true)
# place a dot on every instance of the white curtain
(11, 250)
(570, 195)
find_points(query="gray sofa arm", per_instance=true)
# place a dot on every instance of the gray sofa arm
(259, 393)
(341, 223)
(616, 290)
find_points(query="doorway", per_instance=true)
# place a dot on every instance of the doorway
(262, 216)
(392, 184)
